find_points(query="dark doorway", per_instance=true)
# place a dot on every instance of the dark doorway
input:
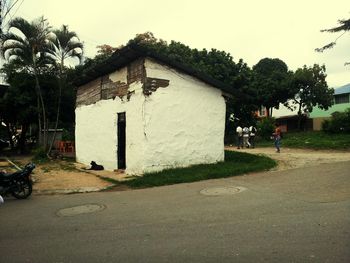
(121, 140)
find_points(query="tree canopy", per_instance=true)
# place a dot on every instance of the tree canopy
(310, 88)
(271, 82)
(35, 57)
(27, 49)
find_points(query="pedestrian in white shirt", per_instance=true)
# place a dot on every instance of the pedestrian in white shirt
(239, 132)
(246, 137)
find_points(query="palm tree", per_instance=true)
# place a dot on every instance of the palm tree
(27, 48)
(64, 45)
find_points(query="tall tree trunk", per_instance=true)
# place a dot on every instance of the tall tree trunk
(299, 117)
(40, 135)
(267, 111)
(41, 100)
(43, 111)
(60, 84)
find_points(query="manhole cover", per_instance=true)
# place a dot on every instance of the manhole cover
(81, 209)
(222, 190)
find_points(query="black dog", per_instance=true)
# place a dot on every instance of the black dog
(95, 166)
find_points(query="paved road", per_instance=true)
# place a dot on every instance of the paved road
(300, 215)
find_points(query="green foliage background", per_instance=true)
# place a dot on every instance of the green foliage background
(266, 127)
(339, 123)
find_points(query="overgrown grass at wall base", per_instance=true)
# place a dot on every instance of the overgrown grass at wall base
(236, 163)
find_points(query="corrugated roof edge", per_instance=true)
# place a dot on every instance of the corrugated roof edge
(342, 89)
(131, 52)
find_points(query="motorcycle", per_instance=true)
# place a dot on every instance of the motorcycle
(19, 184)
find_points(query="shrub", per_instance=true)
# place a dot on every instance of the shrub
(39, 155)
(339, 122)
(266, 127)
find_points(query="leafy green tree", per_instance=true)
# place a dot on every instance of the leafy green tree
(21, 100)
(17, 105)
(310, 88)
(65, 45)
(25, 44)
(271, 83)
(266, 127)
(344, 27)
(105, 51)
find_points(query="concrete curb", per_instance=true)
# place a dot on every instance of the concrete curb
(71, 191)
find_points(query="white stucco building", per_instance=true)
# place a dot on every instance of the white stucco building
(144, 113)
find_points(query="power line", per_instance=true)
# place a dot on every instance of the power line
(9, 8)
(5, 8)
(8, 11)
(14, 12)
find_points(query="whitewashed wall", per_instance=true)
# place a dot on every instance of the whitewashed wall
(184, 122)
(96, 130)
(177, 126)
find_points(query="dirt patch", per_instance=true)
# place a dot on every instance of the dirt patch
(67, 181)
(290, 158)
(60, 176)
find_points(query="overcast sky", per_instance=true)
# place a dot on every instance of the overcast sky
(250, 29)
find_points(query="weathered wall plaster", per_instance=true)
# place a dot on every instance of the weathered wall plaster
(96, 131)
(184, 122)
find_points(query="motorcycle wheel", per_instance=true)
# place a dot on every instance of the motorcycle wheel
(23, 189)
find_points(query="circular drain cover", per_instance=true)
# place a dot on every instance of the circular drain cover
(222, 190)
(81, 209)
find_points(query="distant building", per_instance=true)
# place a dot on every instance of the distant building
(286, 118)
(341, 103)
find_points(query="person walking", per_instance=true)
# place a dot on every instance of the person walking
(277, 138)
(246, 137)
(239, 132)
(252, 133)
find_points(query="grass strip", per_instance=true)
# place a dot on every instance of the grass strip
(236, 163)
